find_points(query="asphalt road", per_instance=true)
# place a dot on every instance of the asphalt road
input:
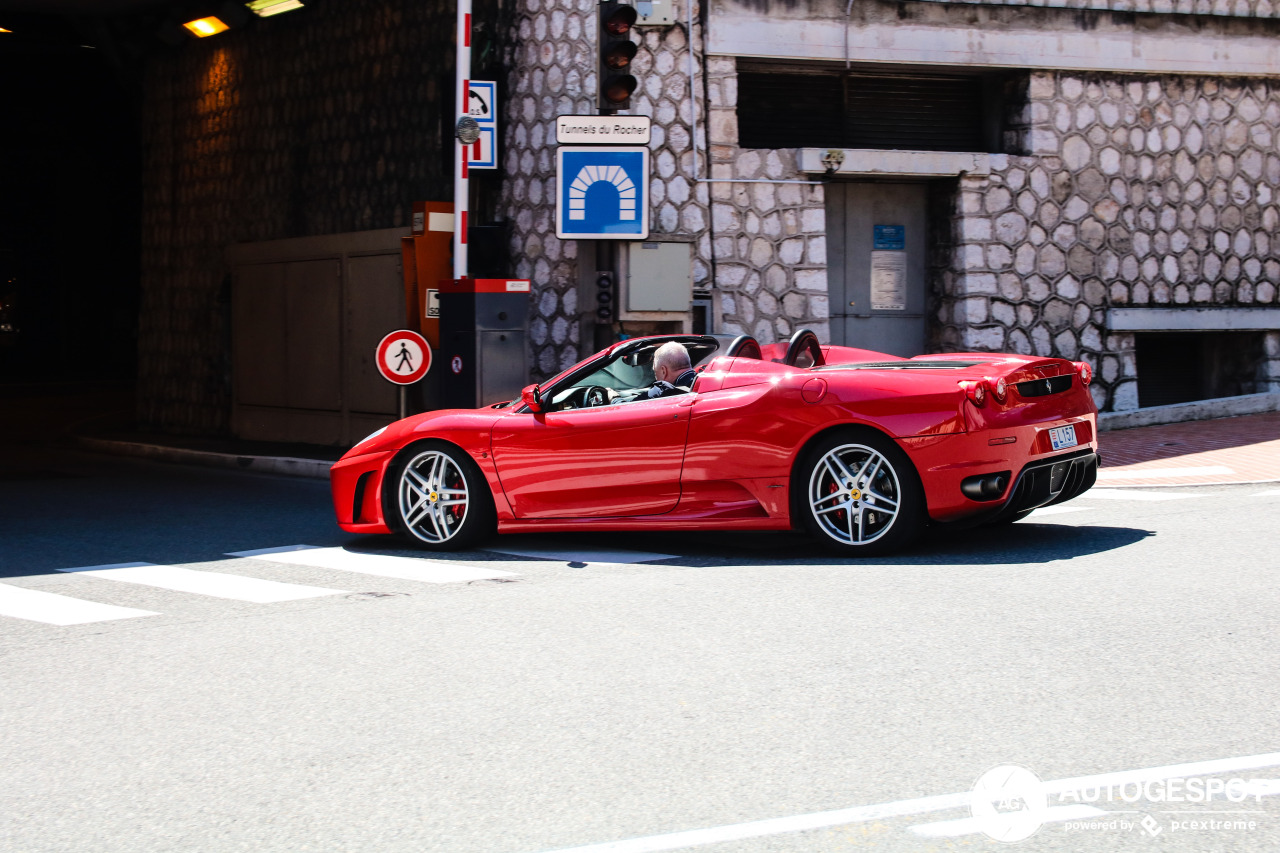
(615, 688)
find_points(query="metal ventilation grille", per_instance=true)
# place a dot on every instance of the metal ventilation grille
(817, 110)
(1044, 387)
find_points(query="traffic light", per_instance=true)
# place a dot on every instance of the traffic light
(604, 297)
(616, 52)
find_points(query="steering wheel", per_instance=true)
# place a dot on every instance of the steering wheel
(804, 343)
(744, 346)
(595, 395)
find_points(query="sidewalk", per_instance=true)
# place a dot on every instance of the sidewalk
(1244, 449)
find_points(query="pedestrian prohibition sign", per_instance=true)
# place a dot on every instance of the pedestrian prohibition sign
(404, 357)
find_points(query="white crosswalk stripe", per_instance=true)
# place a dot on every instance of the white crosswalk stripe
(1057, 510)
(215, 584)
(973, 826)
(379, 565)
(1136, 495)
(50, 608)
(1157, 473)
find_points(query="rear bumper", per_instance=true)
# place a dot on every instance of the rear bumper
(1051, 481)
(944, 462)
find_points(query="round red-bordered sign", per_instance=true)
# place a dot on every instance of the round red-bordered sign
(403, 357)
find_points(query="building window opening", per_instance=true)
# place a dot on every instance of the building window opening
(793, 107)
(1182, 367)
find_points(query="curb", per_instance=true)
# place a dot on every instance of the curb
(288, 466)
(1201, 410)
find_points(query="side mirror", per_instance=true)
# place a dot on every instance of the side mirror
(531, 396)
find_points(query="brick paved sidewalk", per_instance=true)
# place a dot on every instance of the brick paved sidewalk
(1244, 449)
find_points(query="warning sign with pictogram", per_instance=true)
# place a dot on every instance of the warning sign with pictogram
(403, 357)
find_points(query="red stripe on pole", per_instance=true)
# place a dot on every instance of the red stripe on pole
(467, 35)
(464, 162)
(463, 235)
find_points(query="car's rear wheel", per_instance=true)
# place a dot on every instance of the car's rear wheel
(437, 497)
(861, 494)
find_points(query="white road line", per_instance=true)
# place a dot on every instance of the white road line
(922, 805)
(973, 825)
(1056, 510)
(36, 606)
(1135, 495)
(1136, 473)
(379, 565)
(1269, 493)
(577, 555)
(213, 584)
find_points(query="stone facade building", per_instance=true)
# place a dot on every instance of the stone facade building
(1134, 168)
(1092, 179)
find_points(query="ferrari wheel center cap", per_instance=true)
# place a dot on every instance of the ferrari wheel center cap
(433, 497)
(855, 494)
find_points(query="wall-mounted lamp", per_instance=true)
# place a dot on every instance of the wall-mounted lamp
(267, 8)
(832, 159)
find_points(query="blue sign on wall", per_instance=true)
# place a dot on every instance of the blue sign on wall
(602, 193)
(889, 237)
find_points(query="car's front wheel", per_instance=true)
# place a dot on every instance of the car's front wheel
(437, 496)
(861, 494)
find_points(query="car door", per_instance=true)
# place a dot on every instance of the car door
(621, 460)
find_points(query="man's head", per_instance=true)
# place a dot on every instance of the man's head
(670, 361)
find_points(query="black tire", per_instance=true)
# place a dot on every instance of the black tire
(436, 496)
(875, 506)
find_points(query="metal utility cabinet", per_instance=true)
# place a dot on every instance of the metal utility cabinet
(482, 340)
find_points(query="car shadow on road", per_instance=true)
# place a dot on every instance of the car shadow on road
(1024, 542)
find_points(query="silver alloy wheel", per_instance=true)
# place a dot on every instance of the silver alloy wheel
(854, 494)
(433, 497)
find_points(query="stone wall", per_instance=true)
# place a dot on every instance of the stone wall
(1134, 191)
(552, 57)
(757, 224)
(1221, 8)
(320, 121)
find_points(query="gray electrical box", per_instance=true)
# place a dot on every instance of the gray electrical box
(658, 280)
(655, 13)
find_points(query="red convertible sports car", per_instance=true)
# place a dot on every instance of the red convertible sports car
(859, 448)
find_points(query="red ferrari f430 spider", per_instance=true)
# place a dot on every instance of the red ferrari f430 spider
(861, 449)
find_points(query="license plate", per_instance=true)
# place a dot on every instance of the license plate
(1063, 436)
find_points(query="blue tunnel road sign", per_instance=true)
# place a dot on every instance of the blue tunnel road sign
(602, 193)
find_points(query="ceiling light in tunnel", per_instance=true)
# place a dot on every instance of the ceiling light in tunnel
(267, 8)
(205, 27)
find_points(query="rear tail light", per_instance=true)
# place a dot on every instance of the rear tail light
(976, 391)
(999, 388)
(1085, 371)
